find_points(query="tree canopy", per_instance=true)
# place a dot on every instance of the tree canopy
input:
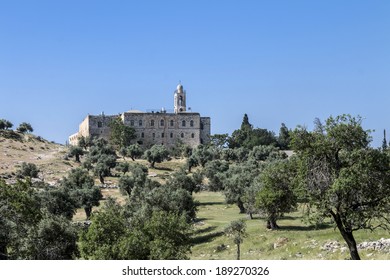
(343, 178)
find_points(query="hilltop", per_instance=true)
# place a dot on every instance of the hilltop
(16, 148)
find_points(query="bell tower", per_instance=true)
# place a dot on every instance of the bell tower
(179, 99)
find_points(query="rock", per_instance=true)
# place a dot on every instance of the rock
(280, 242)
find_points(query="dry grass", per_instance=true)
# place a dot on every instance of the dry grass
(49, 157)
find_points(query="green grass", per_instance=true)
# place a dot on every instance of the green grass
(294, 240)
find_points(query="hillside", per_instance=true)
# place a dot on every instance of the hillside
(295, 239)
(16, 148)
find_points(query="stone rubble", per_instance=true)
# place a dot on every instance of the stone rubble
(382, 244)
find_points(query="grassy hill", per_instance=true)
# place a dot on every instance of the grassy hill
(295, 239)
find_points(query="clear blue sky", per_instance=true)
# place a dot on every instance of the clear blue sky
(278, 61)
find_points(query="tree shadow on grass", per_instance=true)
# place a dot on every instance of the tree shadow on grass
(163, 168)
(206, 238)
(211, 203)
(305, 228)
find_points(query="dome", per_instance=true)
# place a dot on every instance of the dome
(179, 87)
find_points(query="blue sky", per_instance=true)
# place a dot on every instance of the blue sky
(277, 61)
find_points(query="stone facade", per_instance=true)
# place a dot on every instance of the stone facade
(153, 128)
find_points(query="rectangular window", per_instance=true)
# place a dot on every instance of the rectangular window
(140, 123)
(171, 135)
(100, 124)
(162, 135)
(132, 122)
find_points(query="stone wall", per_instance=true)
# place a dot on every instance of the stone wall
(151, 128)
(205, 130)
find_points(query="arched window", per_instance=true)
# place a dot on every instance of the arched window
(171, 135)
(191, 123)
(153, 135)
(171, 123)
(152, 123)
(162, 123)
(182, 135)
(142, 135)
(183, 123)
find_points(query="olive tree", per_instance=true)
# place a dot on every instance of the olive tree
(343, 178)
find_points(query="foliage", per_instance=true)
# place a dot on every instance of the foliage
(123, 167)
(284, 137)
(121, 134)
(191, 162)
(238, 178)
(24, 127)
(59, 202)
(84, 142)
(82, 189)
(134, 151)
(5, 124)
(202, 154)
(20, 209)
(262, 153)
(219, 140)
(136, 178)
(27, 170)
(384, 142)
(275, 194)
(100, 240)
(53, 238)
(237, 230)
(214, 171)
(168, 236)
(171, 200)
(156, 154)
(249, 137)
(180, 180)
(76, 151)
(115, 235)
(343, 177)
(102, 158)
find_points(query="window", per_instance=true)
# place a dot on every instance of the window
(183, 123)
(154, 135)
(171, 123)
(192, 135)
(132, 122)
(162, 135)
(100, 124)
(171, 135)
(142, 135)
(201, 125)
(152, 123)
(182, 135)
(191, 123)
(140, 123)
(162, 123)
